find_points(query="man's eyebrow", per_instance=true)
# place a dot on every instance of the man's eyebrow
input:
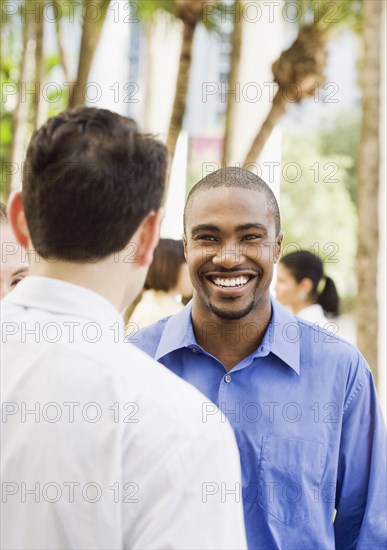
(238, 228)
(246, 226)
(204, 227)
(21, 270)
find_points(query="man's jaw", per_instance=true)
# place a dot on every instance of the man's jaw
(231, 314)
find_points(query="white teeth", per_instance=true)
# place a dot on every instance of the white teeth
(235, 281)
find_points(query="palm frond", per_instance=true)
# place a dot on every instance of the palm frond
(326, 14)
(147, 9)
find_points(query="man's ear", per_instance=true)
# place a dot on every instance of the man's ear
(148, 236)
(278, 246)
(184, 237)
(17, 218)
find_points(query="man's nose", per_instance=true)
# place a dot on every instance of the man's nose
(229, 255)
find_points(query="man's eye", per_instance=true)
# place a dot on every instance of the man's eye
(251, 237)
(16, 281)
(209, 238)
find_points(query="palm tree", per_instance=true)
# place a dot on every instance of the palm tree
(368, 185)
(300, 69)
(37, 106)
(91, 32)
(20, 122)
(236, 42)
(61, 46)
(190, 13)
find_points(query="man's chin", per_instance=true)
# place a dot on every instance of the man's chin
(231, 314)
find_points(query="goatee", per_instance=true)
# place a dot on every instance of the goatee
(232, 315)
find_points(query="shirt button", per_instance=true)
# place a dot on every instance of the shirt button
(227, 378)
(194, 350)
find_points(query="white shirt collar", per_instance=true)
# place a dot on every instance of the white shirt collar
(59, 296)
(313, 313)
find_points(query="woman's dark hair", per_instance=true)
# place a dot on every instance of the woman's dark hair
(3, 213)
(303, 264)
(164, 271)
(90, 178)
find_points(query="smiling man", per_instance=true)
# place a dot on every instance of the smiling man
(301, 401)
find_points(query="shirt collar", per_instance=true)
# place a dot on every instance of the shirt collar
(178, 333)
(61, 297)
(281, 336)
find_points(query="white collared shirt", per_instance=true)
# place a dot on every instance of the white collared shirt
(314, 314)
(103, 448)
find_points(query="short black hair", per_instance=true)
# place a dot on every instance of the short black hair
(164, 271)
(89, 179)
(234, 176)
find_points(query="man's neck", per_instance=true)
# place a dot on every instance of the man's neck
(101, 277)
(230, 341)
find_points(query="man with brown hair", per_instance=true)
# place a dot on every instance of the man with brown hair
(101, 447)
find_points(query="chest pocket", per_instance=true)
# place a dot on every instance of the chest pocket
(289, 477)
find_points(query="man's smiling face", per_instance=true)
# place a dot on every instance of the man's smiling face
(231, 246)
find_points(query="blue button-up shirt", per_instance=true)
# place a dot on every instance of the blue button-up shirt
(309, 429)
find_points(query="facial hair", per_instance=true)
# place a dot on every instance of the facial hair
(232, 315)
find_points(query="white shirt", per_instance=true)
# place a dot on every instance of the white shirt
(314, 314)
(115, 453)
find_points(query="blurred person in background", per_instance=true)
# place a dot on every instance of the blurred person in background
(13, 266)
(302, 286)
(166, 284)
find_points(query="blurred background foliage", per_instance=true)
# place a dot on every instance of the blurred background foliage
(324, 207)
(317, 198)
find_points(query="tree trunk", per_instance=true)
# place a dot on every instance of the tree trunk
(91, 33)
(20, 119)
(277, 110)
(368, 187)
(232, 80)
(61, 47)
(179, 103)
(148, 71)
(37, 110)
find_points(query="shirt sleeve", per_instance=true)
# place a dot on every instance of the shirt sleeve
(361, 519)
(195, 498)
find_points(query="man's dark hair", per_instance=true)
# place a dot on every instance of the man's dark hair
(235, 177)
(164, 271)
(90, 178)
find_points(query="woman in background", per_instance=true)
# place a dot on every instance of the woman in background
(13, 263)
(302, 286)
(167, 282)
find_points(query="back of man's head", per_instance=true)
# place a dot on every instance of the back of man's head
(90, 178)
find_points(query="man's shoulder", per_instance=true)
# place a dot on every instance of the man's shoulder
(325, 338)
(323, 348)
